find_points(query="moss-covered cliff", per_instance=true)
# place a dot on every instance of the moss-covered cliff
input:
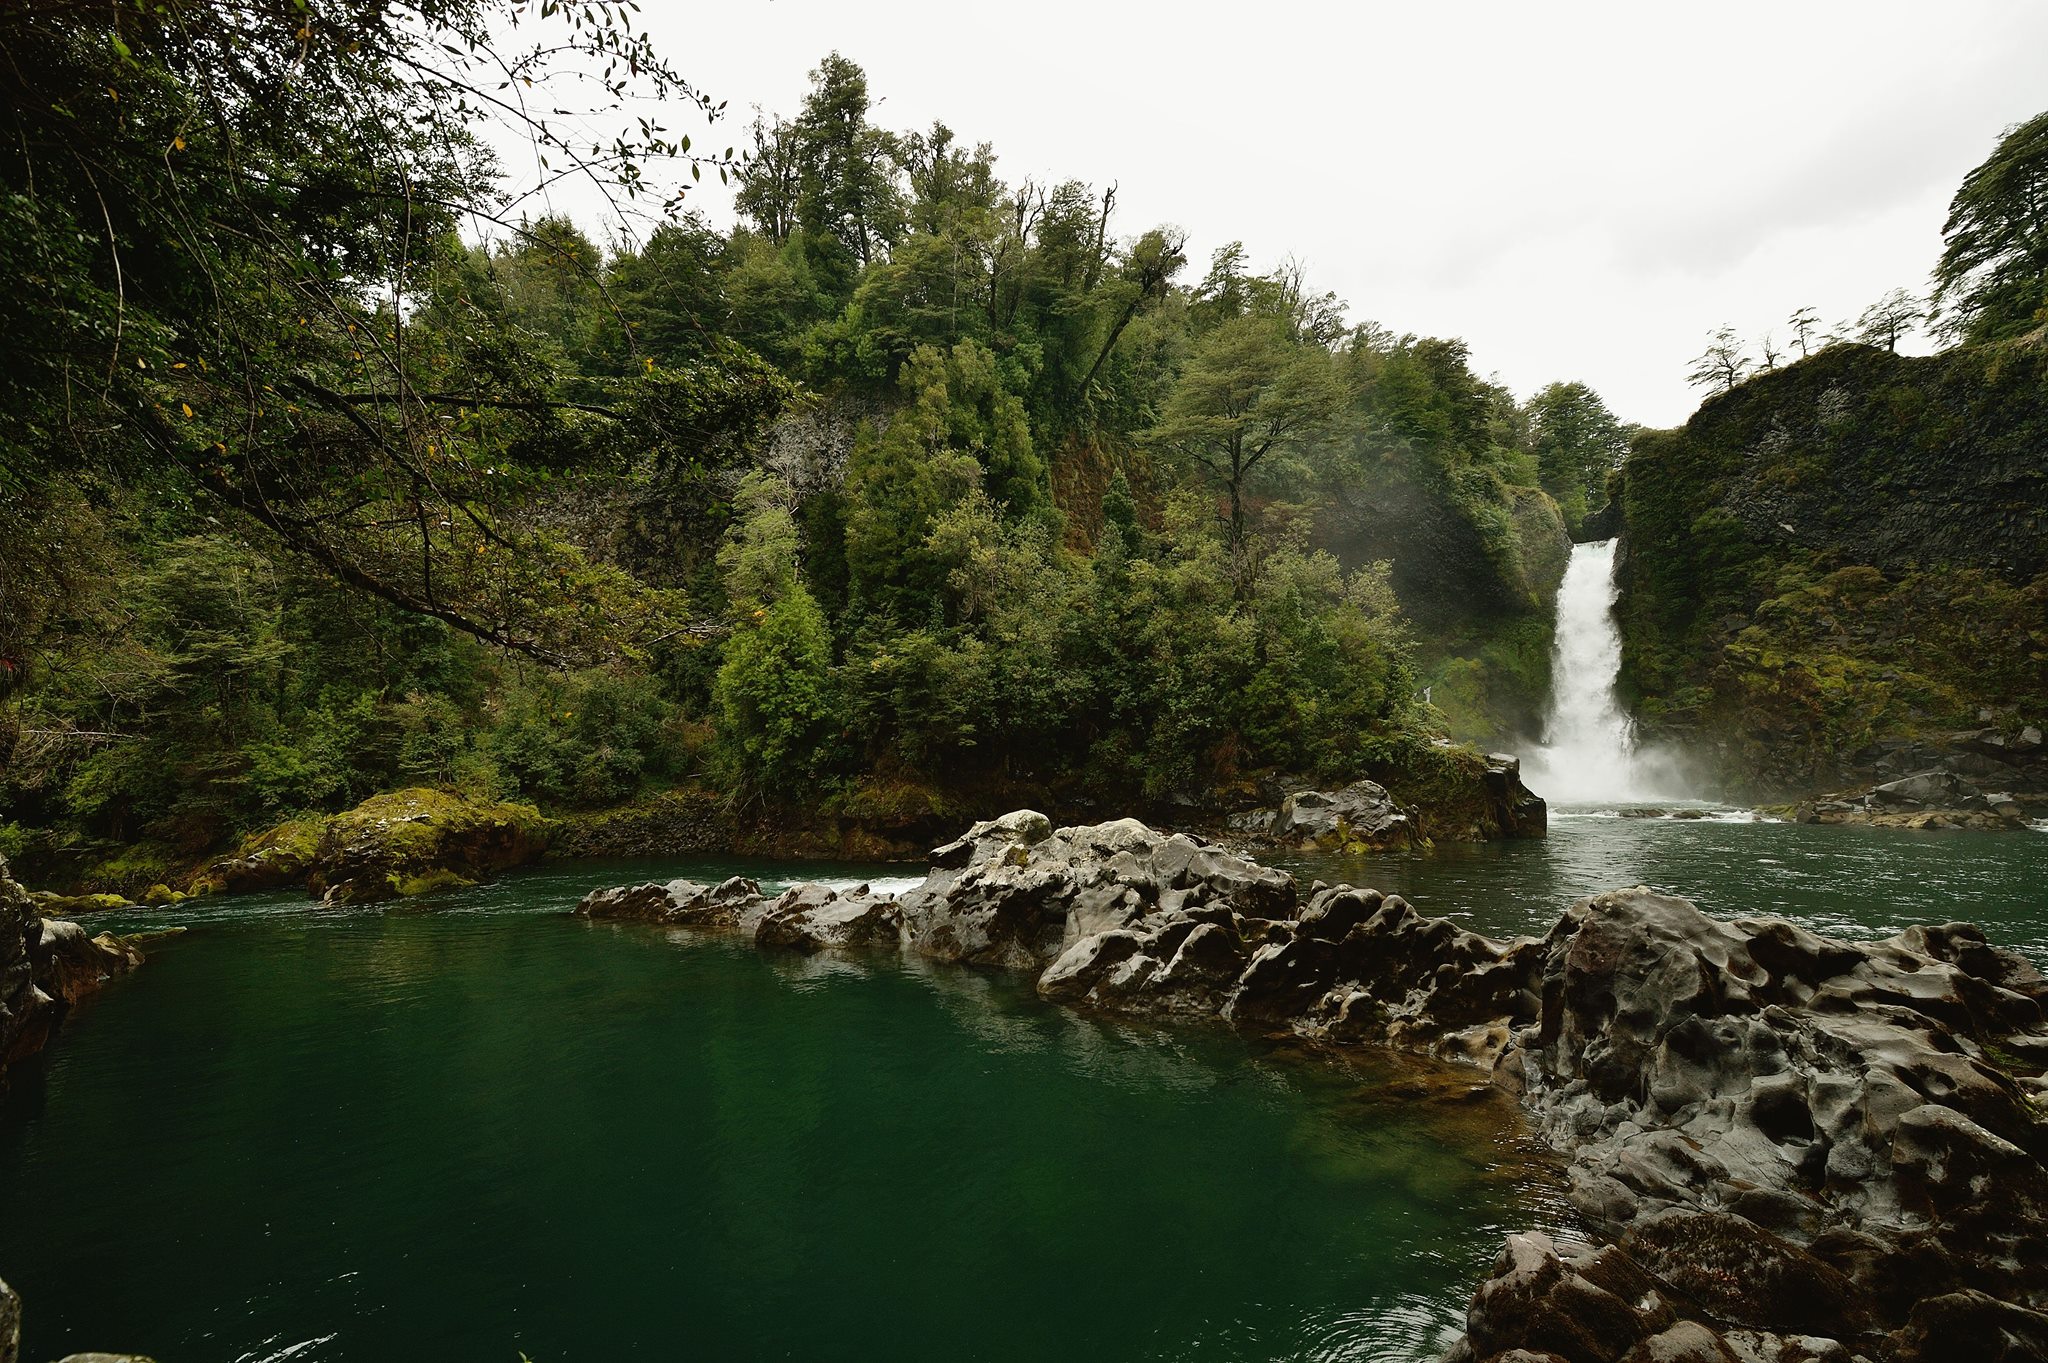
(1476, 565)
(1850, 550)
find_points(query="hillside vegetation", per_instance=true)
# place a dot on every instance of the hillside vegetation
(1848, 550)
(913, 492)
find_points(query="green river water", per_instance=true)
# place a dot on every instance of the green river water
(476, 1128)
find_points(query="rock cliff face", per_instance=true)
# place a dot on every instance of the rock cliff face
(46, 965)
(1849, 551)
(1791, 1147)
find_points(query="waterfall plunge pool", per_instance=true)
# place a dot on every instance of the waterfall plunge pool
(473, 1127)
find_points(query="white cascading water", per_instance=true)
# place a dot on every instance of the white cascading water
(1588, 754)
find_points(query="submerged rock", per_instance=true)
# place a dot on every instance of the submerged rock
(1796, 1147)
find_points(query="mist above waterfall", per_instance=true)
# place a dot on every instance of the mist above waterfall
(1588, 754)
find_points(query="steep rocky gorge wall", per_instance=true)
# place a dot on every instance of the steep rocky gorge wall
(1787, 1147)
(1848, 552)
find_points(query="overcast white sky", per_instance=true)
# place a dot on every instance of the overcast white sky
(1581, 191)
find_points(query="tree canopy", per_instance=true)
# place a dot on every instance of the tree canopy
(1992, 280)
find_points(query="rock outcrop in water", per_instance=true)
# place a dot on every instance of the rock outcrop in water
(46, 965)
(1791, 1147)
(390, 846)
(1468, 797)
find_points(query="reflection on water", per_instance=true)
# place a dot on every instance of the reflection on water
(476, 1127)
(471, 1126)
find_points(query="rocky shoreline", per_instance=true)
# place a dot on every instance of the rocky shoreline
(46, 966)
(1790, 1148)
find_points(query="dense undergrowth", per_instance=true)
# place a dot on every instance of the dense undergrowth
(911, 491)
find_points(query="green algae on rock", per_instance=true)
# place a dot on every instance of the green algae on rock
(417, 841)
(394, 846)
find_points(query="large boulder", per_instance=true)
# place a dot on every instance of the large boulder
(1362, 817)
(1568, 1301)
(274, 859)
(813, 918)
(415, 841)
(1015, 892)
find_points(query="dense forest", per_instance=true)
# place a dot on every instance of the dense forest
(329, 472)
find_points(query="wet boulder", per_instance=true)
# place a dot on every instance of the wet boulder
(1569, 1301)
(1017, 893)
(687, 903)
(813, 918)
(46, 965)
(1971, 1325)
(1362, 817)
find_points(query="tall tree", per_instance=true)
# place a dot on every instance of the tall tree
(1578, 442)
(848, 192)
(1250, 398)
(1992, 280)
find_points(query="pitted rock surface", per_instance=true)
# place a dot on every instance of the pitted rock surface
(684, 902)
(1797, 1149)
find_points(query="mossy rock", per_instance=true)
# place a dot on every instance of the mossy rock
(271, 860)
(1460, 794)
(69, 905)
(418, 841)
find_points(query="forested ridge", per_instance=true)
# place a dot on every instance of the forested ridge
(330, 470)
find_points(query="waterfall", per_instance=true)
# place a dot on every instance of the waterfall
(1588, 752)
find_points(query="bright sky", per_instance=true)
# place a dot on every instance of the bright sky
(1580, 191)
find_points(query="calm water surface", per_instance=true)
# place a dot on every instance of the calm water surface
(477, 1128)
(481, 1129)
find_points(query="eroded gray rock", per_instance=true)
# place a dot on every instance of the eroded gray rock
(1800, 1149)
(813, 918)
(684, 902)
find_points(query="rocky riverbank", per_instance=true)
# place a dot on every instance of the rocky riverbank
(46, 966)
(1789, 1147)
